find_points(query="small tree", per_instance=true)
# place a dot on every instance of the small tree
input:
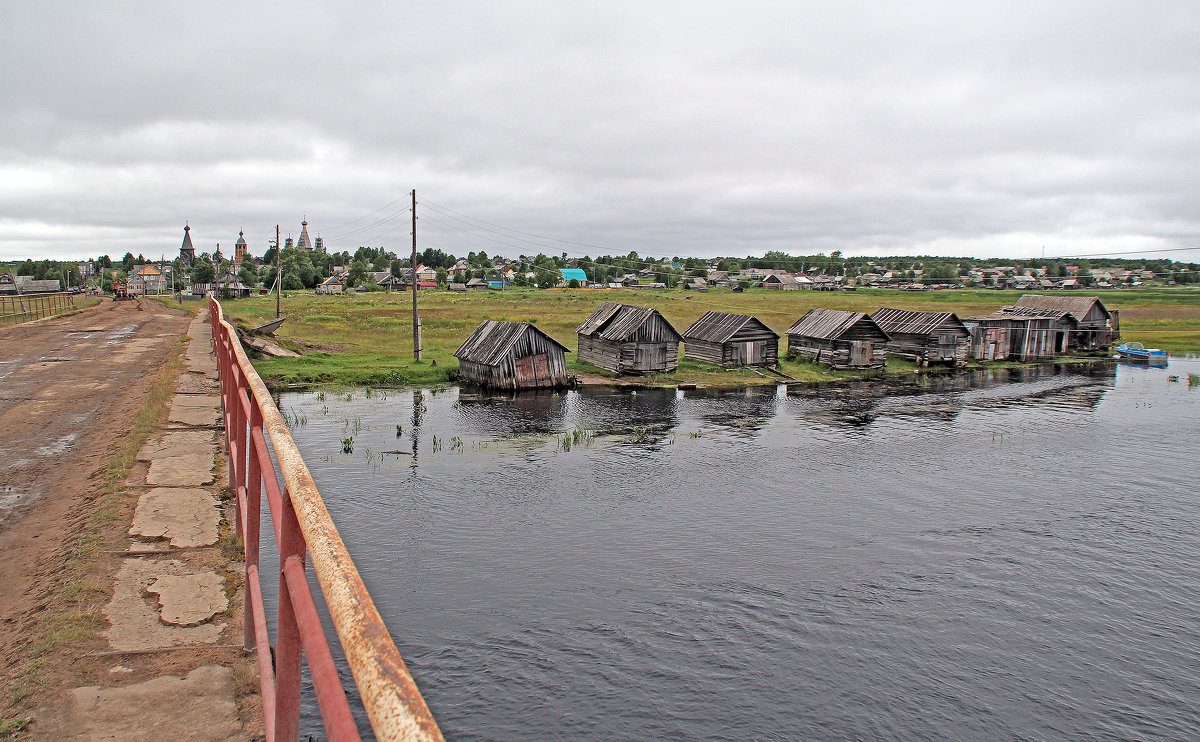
(573, 283)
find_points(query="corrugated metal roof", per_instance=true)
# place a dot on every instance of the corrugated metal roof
(914, 321)
(827, 324)
(717, 327)
(1076, 305)
(576, 273)
(493, 339)
(616, 322)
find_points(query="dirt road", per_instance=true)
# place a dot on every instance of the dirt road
(69, 390)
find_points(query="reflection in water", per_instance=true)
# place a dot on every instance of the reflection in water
(745, 410)
(939, 558)
(514, 414)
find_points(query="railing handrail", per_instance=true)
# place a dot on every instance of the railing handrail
(393, 703)
(35, 306)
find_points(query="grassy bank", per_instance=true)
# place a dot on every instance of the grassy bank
(367, 338)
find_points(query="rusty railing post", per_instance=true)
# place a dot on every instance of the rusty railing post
(250, 520)
(287, 631)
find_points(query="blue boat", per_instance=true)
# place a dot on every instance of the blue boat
(1136, 352)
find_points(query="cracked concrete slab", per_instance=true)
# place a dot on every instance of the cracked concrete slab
(191, 409)
(199, 706)
(187, 517)
(189, 600)
(178, 443)
(136, 622)
(184, 470)
(192, 383)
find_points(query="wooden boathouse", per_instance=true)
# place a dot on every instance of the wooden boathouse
(839, 339)
(1019, 335)
(1097, 329)
(626, 339)
(512, 355)
(925, 337)
(731, 340)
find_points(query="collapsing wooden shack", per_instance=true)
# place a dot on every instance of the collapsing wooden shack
(512, 355)
(1019, 335)
(1097, 329)
(731, 340)
(626, 339)
(839, 339)
(925, 337)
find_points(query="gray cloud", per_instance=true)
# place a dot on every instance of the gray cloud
(915, 128)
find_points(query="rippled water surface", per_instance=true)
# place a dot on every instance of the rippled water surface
(1004, 556)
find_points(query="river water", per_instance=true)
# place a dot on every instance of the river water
(999, 556)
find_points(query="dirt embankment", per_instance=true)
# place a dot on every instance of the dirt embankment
(70, 388)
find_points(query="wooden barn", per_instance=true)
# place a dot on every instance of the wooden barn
(629, 340)
(512, 355)
(1098, 327)
(839, 339)
(731, 340)
(925, 337)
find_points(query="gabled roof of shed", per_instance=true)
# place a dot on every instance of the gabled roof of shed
(1027, 313)
(616, 322)
(1076, 305)
(828, 324)
(493, 339)
(915, 321)
(718, 327)
(1057, 314)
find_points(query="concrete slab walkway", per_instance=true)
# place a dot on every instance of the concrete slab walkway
(173, 591)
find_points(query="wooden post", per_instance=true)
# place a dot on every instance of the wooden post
(416, 319)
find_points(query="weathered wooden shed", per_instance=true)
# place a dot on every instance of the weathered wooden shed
(1064, 325)
(1098, 327)
(1017, 336)
(839, 339)
(512, 355)
(626, 339)
(731, 340)
(925, 337)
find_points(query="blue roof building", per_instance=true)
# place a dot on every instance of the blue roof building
(576, 273)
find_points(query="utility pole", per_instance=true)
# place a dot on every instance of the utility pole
(416, 318)
(278, 272)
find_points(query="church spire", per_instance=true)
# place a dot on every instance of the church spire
(187, 253)
(304, 243)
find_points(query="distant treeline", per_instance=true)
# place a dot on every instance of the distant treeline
(305, 269)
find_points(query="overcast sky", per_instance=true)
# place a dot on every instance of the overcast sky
(700, 128)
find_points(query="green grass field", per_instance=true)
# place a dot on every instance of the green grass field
(367, 338)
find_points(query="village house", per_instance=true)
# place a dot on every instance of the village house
(512, 355)
(335, 284)
(839, 339)
(925, 337)
(627, 339)
(784, 282)
(731, 340)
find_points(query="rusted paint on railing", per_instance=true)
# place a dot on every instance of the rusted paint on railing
(302, 526)
(17, 308)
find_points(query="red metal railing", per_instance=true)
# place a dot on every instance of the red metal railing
(26, 307)
(303, 527)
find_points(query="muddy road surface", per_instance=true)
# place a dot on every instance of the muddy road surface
(69, 390)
